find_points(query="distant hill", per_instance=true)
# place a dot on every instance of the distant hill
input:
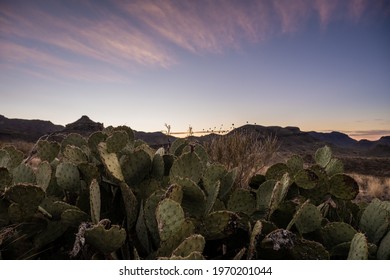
(27, 130)
(291, 139)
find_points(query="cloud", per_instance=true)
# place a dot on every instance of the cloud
(368, 134)
(124, 35)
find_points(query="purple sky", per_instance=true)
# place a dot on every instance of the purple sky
(317, 64)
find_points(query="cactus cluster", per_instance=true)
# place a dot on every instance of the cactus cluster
(111, 196)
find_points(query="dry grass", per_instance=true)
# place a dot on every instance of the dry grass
(372, 187)
(243, 150)
(22, 146)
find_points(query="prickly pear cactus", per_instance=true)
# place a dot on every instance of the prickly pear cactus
(359, 247)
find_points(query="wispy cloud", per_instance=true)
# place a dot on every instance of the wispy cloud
(123, 35)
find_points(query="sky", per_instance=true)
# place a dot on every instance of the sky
(321, 65)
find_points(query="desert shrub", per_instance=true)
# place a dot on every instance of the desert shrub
(244, 150)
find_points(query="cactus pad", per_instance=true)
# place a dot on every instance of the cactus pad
(4, 158)
(256, 231)
(23, 174)
(16, 156)
(74, 154)
(193, 243)
(323, 156)
(94, 201)
(294, 164)
(105, 240)
(117, 141)
(220, 224)
(48, 150)
(242, 201)
(309, 250)
(384, 248)
(263, 195)
(336, 233)
(306, 179)
(5, 178)
(111, 162)
(158, 168)
(335, 166)
(212, 194)
(343, 186)
(279, 193)
(307, 218)
(43, 175)
(194, 199)
(131, 205)
(188, 166)
(359, 248)
(68, 177)
(136, 167)
(73, 139)
(276, 171)
(175, 192)
(170, 218)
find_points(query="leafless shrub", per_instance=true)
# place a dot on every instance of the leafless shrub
(244, 150)
(372, 187)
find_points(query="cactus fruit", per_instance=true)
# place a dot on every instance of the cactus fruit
(105, 240)
(219, 224)
(193, 243)
(188, 166)
(375, 221)
(68, 177)
(94, 201)
(43, 175)
(170, 218)
(323, 156)
(117, 141)
(306, 179)
(384, 248)
(242, 201)
(47, 151)
(336, 233)
(343, 186)
(23, 174)
(276, 171)
(5, 178)
(359, 248)
(111, 162)
(307, 218)
(135, 167)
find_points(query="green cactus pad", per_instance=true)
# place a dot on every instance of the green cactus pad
(219, 224)
(151, 204)
(256, 231)
(170, 218)
(359, 248)
(194, 199)
(74, 217)
(213, 173)
(105, 240)
(74, 154)
(136, 167)
(306, 179)
(212, 194)
(227, 183)
(175, 192)
(88, 172)
(16, 156)
(375, 221)
(43, 175)
(111, 162)
(68, 176)
(294, 164)
(194, 243)
(343, 186)
(384, 248)
(279, 193)
(276, 171)
(47, 151)
(188, 166)
(307, 218)
(5, 178)
(263, 195)
(53, 230)
(336, 233)
(158, 168)
(94, 201)
(56, 207)
(146, 188)
(256, 181)
(242, 201)
(131, 205)
(4, 158)
(26, 195)
(323, 156)
(335, 166)
(141, 231)
(23, 174)
(94, 139)
(309, 250)
(128, 130)
(73, 139)
(168, 162)
(117, 141)
(177, 146)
